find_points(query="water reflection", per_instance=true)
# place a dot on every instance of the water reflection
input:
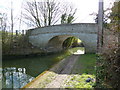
(13, 77)
(19, 71)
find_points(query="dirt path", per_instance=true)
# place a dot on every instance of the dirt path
(64, 74)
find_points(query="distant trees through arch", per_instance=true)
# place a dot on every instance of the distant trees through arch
(72, 42)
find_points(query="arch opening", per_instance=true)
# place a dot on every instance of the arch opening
(65, 42)
(75, 44)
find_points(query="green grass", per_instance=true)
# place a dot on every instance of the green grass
(79, 81)
(83, 69)
(85, 64)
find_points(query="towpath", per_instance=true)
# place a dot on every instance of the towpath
(60, 79)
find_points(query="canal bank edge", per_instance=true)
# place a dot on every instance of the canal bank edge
(51, 73)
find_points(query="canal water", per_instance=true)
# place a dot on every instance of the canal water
(17, 72)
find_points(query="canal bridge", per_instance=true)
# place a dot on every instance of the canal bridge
(51, 38)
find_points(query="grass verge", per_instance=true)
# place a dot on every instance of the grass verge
(85, 64)
(83, 73)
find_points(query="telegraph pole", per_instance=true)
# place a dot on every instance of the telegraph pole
(100, 27)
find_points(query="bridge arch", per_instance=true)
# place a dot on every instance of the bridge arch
(56, 43)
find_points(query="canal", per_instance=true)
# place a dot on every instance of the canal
(18, 71)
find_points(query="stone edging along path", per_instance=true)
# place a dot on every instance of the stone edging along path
(53, 78)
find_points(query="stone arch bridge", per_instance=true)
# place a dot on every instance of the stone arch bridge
(52, 37)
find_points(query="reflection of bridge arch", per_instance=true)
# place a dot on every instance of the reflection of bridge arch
(87, 32)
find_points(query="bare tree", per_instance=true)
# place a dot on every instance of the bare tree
(12, 20)
(3, 21)
(69, 15)
(44, 13)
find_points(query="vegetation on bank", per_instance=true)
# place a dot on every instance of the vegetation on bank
(17, 44)
(84, 73)
(108, 63)
(81, 81)
(86, 64)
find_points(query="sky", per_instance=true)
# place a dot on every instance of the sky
(84, 9)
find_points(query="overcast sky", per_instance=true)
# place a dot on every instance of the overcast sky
(84, 8)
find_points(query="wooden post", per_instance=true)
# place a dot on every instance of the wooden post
(16, 32)
(22, 32)
(100, 26)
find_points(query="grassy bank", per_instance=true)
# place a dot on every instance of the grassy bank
(83, 73)
(85, 64)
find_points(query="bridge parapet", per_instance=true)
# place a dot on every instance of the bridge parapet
(67, 28)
